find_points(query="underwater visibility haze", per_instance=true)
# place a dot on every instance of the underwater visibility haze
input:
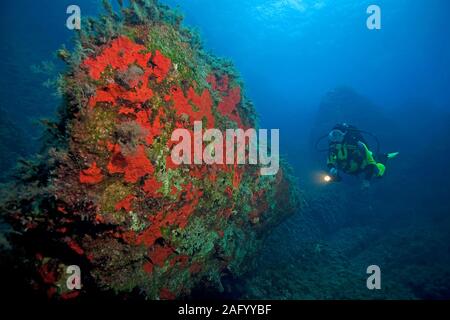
(101, 176)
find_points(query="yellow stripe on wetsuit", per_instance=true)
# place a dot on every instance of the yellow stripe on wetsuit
(371, 161)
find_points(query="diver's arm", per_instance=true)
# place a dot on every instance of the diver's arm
(334, 174)
(333, 170)
(332, 166)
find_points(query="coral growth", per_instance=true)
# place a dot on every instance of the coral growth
(112, 200)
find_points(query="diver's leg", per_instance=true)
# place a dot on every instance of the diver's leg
(369, 172)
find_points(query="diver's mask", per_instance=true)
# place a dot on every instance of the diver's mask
(336, 136)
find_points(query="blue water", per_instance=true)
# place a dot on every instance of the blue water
(290, 54)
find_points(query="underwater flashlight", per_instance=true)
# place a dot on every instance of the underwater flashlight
(327, 178)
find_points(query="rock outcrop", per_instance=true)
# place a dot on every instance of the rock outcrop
(106, 195)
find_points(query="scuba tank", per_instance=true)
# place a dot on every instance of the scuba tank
(351, 135)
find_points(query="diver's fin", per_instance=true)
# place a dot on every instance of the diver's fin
(392, 155)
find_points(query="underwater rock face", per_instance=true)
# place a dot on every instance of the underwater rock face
(107, 197)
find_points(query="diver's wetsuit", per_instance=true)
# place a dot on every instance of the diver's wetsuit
(352, 156)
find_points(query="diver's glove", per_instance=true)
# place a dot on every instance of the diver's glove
(333, 172)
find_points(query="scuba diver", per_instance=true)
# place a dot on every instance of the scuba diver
(348, 153)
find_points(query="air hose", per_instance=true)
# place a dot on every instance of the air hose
(319, 140)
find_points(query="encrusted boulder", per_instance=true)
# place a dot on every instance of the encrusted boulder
(106, 195)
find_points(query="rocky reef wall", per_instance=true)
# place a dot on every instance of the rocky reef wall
(105, 195)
